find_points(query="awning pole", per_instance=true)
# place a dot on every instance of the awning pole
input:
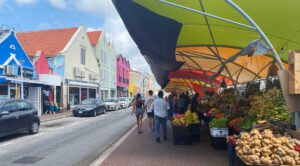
(244, 14)
(206, 14)
(257, 28)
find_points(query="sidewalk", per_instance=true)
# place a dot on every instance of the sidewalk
(142, 150)
(48, 117)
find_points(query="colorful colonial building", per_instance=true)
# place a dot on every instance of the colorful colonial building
(135, 79)
(17, 74)
(70, 55)
(123, 68)
(51, 81)
(148, 83)
(106, 54)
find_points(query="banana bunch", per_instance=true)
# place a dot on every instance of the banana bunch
(179, 122)
(191, 118)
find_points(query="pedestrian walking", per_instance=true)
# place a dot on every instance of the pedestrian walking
(170, 103)
(148, 105)
(175, 105)
(186, 101)
(181, 103)
(138, 109)
(195, 102)
(160, 107)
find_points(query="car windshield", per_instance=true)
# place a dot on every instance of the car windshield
(2, 102)
(110, 100)
(88, 102)
(122, 99)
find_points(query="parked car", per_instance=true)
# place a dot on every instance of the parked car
(124, 102)
(89, 107)
(131, 101)
(18, 116)
(128, 101)
(112, 104)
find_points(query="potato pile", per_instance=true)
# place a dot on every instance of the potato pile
(264, 148)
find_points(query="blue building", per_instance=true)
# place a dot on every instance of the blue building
(17, 70)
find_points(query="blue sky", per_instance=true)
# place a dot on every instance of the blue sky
(42, 15)
(29, 15)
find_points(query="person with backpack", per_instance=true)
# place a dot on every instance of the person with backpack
(148, 106)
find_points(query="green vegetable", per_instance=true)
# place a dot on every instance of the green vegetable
(247, 123)
(218, 123)
(270, 106)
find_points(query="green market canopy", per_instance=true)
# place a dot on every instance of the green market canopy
(173, 39)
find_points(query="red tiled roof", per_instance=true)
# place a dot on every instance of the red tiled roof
(51, 41)
(94, 36)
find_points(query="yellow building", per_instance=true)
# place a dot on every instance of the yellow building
(135, 82)
(149, 83)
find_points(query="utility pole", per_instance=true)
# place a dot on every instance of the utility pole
(22, 83)
(22, 78)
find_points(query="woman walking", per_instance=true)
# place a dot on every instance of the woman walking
(138, 108)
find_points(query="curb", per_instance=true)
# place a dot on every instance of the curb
(60, 117)
(111, 148)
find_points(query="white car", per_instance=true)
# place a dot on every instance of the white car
(112, 104)
(124, 102)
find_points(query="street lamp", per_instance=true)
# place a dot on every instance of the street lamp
(22, 81)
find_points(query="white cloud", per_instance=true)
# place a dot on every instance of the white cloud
(60, 4)
(95, 7)
(21, 2)
(113, 26)
(115, 30)
(92, 7)
(124, 44)
(89, 29)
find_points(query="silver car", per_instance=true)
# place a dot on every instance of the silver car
(124, 102)
(112, 104)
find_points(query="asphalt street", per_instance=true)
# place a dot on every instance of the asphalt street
(70, 141)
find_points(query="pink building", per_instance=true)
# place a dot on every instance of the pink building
(123, 68)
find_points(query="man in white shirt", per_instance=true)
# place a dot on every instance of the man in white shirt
(160, 107)
(148, 105)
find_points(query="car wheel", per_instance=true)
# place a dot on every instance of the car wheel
(95, 113)
(34, 128)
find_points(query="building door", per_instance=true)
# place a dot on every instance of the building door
(112, 93)
(106, 94)
(13, 93)
(34, 96)
(74, 96)
(84, 94)
(92, 93)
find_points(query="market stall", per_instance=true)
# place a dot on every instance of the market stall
(214, 48)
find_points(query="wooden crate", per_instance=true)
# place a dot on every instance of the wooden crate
(294, 69)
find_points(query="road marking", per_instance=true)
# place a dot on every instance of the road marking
(38, 134)
(74, 123)
(110, 149)
(54, 129)
(5, 144)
